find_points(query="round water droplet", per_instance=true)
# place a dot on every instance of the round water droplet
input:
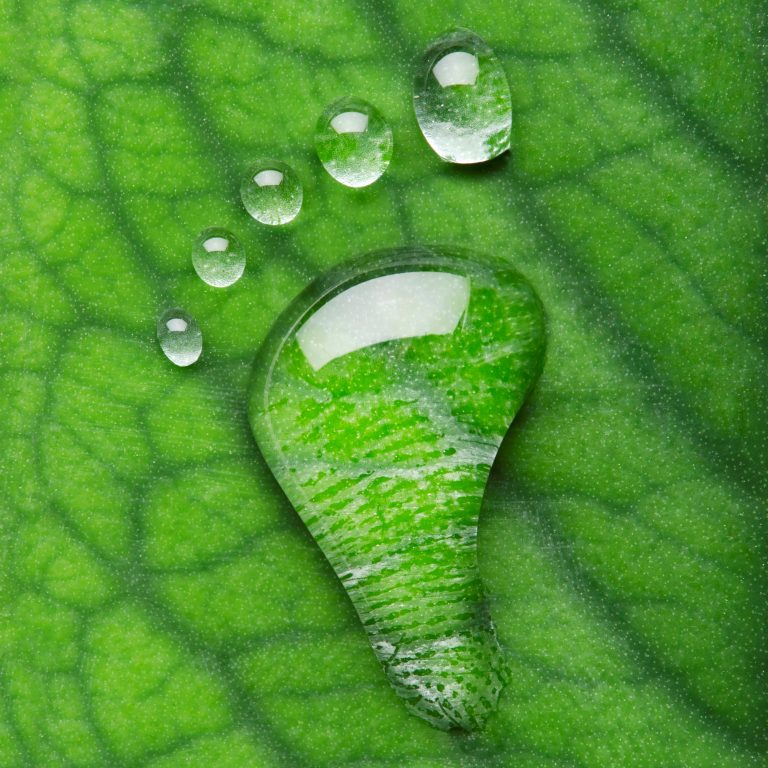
(271, 192)
(218, 257)
(180, 337)
(354, 142)
(462, 100)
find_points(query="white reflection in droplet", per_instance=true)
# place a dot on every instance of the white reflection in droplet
(268, 178)
(350, 122)
(216, 244)
(457, 68)
(176, 325)
(398, 306)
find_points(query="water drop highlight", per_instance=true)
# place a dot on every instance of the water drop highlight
(218, 257)
(180, 337)
(461, 98)
(354, 142)
(379, 400)
(271, 192)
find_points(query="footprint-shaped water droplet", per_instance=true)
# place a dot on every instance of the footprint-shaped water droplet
(379, 400)
(271, 192)
(218, 257)
(353, 142)
(180, 337)
(462, 100)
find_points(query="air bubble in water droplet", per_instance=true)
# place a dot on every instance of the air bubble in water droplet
(180, 337)
(462, 100)
(353, 142)
(271, 192)
(218, 257)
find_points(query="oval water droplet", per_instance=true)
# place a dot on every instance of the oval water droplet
(353, 142)
(180, 337)
(271, 192)
(218, 257)
(462, 100)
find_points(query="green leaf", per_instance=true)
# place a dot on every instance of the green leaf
(161, 604)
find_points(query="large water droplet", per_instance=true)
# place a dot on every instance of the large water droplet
(271, 192)
(354, 142)
(218, 257)
(379, 400)
(180, 337)
(462, 100)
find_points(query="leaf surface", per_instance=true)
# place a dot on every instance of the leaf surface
(161, 603)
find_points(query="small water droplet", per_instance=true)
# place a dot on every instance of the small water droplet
(180, 337)
(218, 257)
(271, 192)
(353, 142)
(462, 100)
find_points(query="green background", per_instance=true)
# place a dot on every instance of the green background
(160, 603)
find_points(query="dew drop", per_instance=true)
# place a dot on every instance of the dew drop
(379, 400)
(271, 192)
(462, 100)
(180, 337)
(218, 257)
(353, 142)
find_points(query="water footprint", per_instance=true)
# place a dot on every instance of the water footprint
(382, 394)
(379, 400)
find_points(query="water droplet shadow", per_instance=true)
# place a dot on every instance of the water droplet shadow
(498, 166)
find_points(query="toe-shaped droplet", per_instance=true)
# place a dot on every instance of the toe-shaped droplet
(180, 337)
(218, 257)
(461, 98)
(353, 142)
(379, 400)
(271, 192)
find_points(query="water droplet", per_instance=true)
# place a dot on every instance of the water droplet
(379, 400)
(271, 192)
(354, 142)
(462, 100)
(180, 337)
(218, 257)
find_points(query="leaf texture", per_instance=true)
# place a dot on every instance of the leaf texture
(160, 602)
